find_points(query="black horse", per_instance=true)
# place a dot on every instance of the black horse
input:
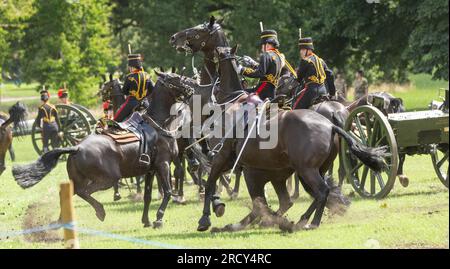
(305, 145)
(205, 38)
(17, 116)
(98, 162)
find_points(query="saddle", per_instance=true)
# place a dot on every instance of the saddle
(132, 130)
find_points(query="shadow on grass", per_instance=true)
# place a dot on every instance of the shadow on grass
(208, 235)
(356, 197)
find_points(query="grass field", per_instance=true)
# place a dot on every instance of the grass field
(412, 217)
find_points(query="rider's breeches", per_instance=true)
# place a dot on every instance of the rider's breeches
(307, 96)
(264, 90)
(126, 109)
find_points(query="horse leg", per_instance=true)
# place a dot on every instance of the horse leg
(316, 186)
(256, 191)
(235, 193)
(296, 193)
(283, 196)
(148, 182)
(341, 170)
(180, 173)
(218, 166)
(201, 185)
(117, 196)
(12, 154)
(163, 172)
(138, 184)
(402, 177)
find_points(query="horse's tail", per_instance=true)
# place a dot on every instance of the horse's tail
(29, 175)
(372, 157)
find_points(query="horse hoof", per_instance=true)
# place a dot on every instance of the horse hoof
(295, 196)
(219, 210)
(404, 180)
(310, 227)
(179, 200)
(147, 224)
(101, 216)
(157, 224)
(203, 224)
(234, 195)
(117, 197)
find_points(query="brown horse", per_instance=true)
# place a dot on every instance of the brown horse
(98, 162)
(289, 85)
(17, 116)
(305, 145)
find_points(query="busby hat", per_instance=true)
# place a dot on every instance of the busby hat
(62, 93)
(306, 43)
(45, 95)
(135, 60)
(271, 37)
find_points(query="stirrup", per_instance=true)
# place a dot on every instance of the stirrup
(144, 159)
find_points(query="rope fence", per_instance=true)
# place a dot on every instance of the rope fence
(71, 230)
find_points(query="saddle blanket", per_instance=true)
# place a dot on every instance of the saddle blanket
(122, 137)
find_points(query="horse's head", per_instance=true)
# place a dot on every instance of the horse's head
(17, 116)
(109, 89)
(287, 84)
(390, 104)
(175, 85)
(396, 105)
(203, 37)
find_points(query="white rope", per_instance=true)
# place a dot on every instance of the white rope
(247, 138)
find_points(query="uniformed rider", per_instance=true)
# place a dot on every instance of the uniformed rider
(314, 75)
(270, 67)
(136, 87)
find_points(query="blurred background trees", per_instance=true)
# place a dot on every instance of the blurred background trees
(77, 41)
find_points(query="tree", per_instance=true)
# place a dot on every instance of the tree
(12, 15)
(69, 42)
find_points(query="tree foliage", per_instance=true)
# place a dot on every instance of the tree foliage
(75, 41)
(69, 42)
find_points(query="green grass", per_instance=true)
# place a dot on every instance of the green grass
(25, 90)
(413, 217)
(421, 91)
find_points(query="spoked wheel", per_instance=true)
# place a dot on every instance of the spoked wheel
(439, 157)
(370, 127)
(74, 125)
(90, 117)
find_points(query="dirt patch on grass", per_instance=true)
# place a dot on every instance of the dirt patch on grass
(40, 215)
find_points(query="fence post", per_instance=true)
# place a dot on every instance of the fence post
(68, 215)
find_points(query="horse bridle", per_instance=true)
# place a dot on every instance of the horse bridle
(216, 27)
(187, 91)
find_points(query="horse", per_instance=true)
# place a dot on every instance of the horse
(111, 91)
(17, 116)
(288, 85)
(306, 145)
(205, 38)
(98, 162)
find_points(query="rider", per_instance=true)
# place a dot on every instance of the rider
(50, 127)
(270, 67)
(313, 74)
(137, 86)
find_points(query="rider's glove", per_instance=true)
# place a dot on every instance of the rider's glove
(240, 69)
(248, 61)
